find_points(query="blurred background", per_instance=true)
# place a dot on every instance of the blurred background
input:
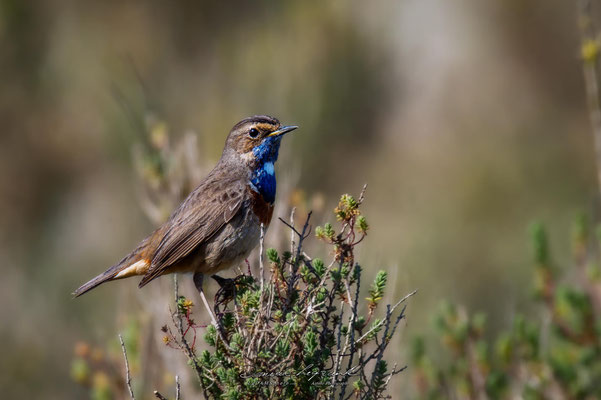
(467, 119)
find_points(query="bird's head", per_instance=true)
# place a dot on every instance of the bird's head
(256, 140)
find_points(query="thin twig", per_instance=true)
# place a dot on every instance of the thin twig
(159, 396)
(261, 267)
(352, 320)
(127, 375)
(338, 359)
(180, 327)
(590, 64)
(294, 230)
(177, 388)
(362, 195)
(394, 370)
(384, 320)
(289, 226)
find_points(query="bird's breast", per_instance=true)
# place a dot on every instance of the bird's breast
(262, 209)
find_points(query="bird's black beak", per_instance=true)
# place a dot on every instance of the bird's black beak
(282, 130)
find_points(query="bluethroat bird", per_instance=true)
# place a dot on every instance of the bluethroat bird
(219, 223)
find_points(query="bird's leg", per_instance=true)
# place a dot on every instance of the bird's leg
(198, 278)
(223, 282)
(226, 292)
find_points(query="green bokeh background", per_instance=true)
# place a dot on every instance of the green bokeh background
(466, 118)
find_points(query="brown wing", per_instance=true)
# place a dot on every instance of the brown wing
(198, 218)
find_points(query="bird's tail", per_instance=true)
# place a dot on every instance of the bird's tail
(133, 264)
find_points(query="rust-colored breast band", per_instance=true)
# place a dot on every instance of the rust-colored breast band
(262, 209)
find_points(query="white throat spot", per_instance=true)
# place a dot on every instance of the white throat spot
(268, 167)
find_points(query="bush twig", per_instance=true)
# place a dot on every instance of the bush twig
(127, 374)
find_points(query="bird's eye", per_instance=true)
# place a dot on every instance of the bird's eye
(253, 133)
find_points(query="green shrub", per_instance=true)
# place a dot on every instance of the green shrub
(298, 334)
(558, 359)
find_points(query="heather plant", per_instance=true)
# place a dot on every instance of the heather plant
(555, 355)
(299, 333)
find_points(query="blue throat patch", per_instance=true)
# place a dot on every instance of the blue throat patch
(263, 176)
